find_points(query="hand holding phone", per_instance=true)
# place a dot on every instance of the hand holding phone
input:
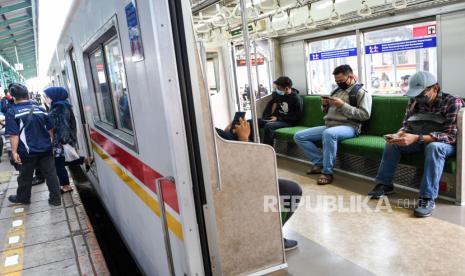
(237, 117)
(389, 137)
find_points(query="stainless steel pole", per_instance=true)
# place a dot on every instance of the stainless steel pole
(245, 34)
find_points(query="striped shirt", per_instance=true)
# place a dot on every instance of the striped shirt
(446, 105)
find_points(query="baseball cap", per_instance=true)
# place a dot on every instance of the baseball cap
(419, 82)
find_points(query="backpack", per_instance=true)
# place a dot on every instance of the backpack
(353, 101)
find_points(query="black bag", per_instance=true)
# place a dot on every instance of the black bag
(425, 123)
(29, 119)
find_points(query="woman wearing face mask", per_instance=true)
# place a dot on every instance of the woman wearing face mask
(64, 132)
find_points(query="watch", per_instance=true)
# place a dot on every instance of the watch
(421, 139)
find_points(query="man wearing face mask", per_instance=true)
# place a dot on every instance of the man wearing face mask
(286, 109)
(346, 109)
(430, 126)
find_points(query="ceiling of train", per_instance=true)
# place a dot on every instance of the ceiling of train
(221, 19)
(17, 35)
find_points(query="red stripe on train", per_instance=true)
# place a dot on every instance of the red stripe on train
(139, 169)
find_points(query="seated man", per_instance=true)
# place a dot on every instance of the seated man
(347, 108)
(430, 126)
(289, 191)
(286, 109)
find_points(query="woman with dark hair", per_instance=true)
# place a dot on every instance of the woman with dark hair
(61, 113)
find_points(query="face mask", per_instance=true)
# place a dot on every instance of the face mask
(343, 85)
(279, 92)
(422, 99)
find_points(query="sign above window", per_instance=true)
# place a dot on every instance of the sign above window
(342, 53)
(405, 45)
(135, 39)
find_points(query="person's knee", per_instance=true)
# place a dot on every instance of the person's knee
(298, 137)
(435, 149)
(329, 134)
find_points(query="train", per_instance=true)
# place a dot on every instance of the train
(150, 81)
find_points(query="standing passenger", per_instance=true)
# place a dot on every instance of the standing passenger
(346, 110)
(430, 126)
(61, 114)
(30, 132)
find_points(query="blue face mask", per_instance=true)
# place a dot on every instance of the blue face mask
(279, 92)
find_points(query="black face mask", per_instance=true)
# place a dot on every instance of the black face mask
(343, 85)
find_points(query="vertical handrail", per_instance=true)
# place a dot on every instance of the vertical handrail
(245, 31)
(164, 224)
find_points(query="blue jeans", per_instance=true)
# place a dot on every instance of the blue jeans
(269, 128)
(435, 156)
(330, 136)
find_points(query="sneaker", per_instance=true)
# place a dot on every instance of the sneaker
(290, 244)
(425, 208)
(14, 199)
(56, 202)
(37, 181)
(381, 190)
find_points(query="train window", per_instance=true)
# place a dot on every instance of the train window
(119, 91)
(324, 56)
(213, 74)
(102, 92)
(392, 55)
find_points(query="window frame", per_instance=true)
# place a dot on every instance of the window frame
(107, 33)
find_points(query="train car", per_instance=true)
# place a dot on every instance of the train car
(152, 81)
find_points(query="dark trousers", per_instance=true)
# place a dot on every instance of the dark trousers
(290, 194)
(26, 171)
(269, 128)
(61, 171)
(38, 174)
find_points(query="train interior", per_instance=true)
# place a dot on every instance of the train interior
(339, 230)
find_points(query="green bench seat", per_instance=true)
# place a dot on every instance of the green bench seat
(386, 117)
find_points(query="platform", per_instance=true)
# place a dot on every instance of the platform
(41, 239)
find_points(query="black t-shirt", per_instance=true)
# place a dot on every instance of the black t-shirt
(289, 107)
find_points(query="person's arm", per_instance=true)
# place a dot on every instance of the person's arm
(449, 134)
(360, 113)
(14, 141)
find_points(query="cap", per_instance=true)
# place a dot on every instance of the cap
(419, 82)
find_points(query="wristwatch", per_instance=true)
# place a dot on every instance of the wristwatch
(421, 139)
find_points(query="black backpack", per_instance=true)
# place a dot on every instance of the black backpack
(353, 101)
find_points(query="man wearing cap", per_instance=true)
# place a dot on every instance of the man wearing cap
(30, 130)
(430, 126)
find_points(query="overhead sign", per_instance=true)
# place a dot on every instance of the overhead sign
(135, 39)
(422, 31)
(342, 53)
(405, 45)
(19, 67)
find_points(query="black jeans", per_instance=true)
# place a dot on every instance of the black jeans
(61, 171)
(290, 194)
(269, 128)
(47, 167)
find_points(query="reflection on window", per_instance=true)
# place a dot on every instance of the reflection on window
(213, 74)
(102, 93)
(119, 90)
(324, 56)
(394, 54)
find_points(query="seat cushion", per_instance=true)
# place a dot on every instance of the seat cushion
(312, 116)
(372, 147)
(287, 133)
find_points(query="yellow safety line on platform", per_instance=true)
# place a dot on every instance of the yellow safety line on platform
(173, 224)
(11, 260)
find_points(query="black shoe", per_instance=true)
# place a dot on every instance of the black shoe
(37, 181)
(14, 199)
(56, 202)
(425, 208)
(290, 244)
(381, 190)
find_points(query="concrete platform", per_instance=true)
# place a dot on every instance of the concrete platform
(40, 239)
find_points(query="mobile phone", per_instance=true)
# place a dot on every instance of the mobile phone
(388, 137)
(237, 116)
(327, 97)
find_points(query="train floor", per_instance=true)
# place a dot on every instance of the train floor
(350, 237)
(41, 239)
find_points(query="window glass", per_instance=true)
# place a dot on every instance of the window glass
(102, 91)
(393, 55)
(213, 74)
(118, 87)
(324, 56)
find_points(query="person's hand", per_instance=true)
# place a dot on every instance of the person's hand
(243, 130)
(405, 139)
(324, 101)
(337, 102)
(16, 158)
(273, 118)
